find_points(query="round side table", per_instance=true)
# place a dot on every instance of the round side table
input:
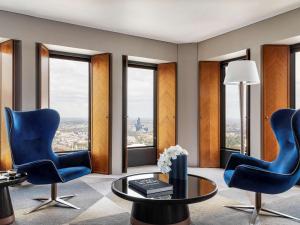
(6, 209)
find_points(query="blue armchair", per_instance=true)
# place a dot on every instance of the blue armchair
(30, 136)
(275, 177)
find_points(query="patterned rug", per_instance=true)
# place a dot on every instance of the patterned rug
(98, 205)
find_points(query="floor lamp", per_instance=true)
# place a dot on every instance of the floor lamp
(242, 73)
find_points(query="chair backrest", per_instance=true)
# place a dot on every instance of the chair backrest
(31, 133)
(296, 130)
(288, 157)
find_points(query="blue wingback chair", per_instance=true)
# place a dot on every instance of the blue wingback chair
(30, 136)
(247, 173)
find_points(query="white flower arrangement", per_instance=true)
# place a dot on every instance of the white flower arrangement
(164, 163)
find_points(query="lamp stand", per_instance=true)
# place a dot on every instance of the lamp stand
(242, 116)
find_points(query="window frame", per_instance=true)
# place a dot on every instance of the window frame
(293, 50)
(149, 152)
(228, 151)
(80, 58)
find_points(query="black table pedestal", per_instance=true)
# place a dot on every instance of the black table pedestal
(6, 209)
(163, 214)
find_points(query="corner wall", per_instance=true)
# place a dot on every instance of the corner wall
(188, 100)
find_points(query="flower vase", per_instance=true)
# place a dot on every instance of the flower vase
(179, 168)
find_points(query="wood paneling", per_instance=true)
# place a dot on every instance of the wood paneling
(42, 76)
(101, 113)
(209, 113)
(166, 106)
(275, 84)
(6, 61)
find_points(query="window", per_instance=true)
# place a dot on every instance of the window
(230, 113)
(232, 117)
(69, 95)
(140, 107)
(295, 76)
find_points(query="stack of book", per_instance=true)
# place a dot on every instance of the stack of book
(151, 187)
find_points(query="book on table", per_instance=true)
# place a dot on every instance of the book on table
(150, 186)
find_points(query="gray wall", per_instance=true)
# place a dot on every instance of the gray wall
(31, 30)
(254, 36)
(188, 100)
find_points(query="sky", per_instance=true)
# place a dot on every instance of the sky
(140, 93)
(69, 87)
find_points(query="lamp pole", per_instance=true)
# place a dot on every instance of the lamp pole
(242, 98)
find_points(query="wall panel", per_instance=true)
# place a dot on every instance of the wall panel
(209, 114)
(166, 105)
(101, 113)
(275, 86)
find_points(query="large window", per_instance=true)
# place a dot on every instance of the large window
(69, 95)
(140, 107)
(232, 117)
(230, 113)
(295, 76)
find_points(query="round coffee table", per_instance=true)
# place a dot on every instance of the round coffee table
(6, 209)
(166, 209)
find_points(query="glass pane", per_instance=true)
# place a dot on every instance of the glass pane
(140, 107)
(69, 95)
(297, 78)
(232, 120)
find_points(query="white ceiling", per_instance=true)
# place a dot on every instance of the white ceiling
(178, 21)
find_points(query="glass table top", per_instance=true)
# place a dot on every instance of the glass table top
(195, 189)
(5, 180)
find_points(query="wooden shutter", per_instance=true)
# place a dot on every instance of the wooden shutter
(275, 84)
(7, 75)
(166, 105)
(101, 113)
(209, 113)
(42, 76)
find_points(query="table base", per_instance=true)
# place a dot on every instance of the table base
(7, 220)
(153, 214)
(6, 209)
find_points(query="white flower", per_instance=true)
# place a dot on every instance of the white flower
(164, 162)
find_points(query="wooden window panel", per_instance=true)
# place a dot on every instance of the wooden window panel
(7, 75)
(166, 105)
(209, 113)
(101, 113)
(275, 86)
(42, 76)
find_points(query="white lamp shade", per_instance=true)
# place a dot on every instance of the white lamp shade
(244, 71)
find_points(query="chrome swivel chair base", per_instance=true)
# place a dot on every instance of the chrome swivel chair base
(57, 200)
(257, 209)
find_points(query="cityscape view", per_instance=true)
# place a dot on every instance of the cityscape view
(69, 94)
(140, 107)
(232, 120)
(72, 134)
(233, 134)
(139, 132)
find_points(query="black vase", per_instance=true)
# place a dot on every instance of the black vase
(179, 168)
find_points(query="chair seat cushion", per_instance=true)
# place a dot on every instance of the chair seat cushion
(227, 175)
(71, 173)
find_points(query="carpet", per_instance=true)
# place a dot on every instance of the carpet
(98, 205)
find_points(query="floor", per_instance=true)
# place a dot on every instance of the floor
(100, 206)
